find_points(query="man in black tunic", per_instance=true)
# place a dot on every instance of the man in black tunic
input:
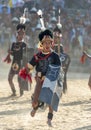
(16, 51)
(40, 62)
(64, 57)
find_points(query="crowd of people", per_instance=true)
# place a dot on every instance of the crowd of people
(75, 24)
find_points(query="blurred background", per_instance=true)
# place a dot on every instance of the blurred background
(75, 18)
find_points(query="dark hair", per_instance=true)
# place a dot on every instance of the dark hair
(46, 32)
(56, 29)
(20, 26)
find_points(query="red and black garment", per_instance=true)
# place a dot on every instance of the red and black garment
(41, 61)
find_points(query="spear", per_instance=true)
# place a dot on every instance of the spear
(40, 13)
(59, 27)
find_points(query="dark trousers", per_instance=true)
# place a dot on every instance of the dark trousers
(11, 75)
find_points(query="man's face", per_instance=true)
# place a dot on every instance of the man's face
(47, 46)
(20, 35)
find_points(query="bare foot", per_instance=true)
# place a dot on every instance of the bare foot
(49, 122)
(33, 112)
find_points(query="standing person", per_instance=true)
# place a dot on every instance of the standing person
(16, 51)
(65, 61)
(83, 58)
(40, 62)
(64, 57)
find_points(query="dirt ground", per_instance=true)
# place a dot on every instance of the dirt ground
(74, 112)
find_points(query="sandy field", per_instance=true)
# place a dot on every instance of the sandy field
(74, 112)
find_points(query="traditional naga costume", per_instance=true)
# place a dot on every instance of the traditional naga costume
(64, 58)
(41, 62)
(16, 51)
